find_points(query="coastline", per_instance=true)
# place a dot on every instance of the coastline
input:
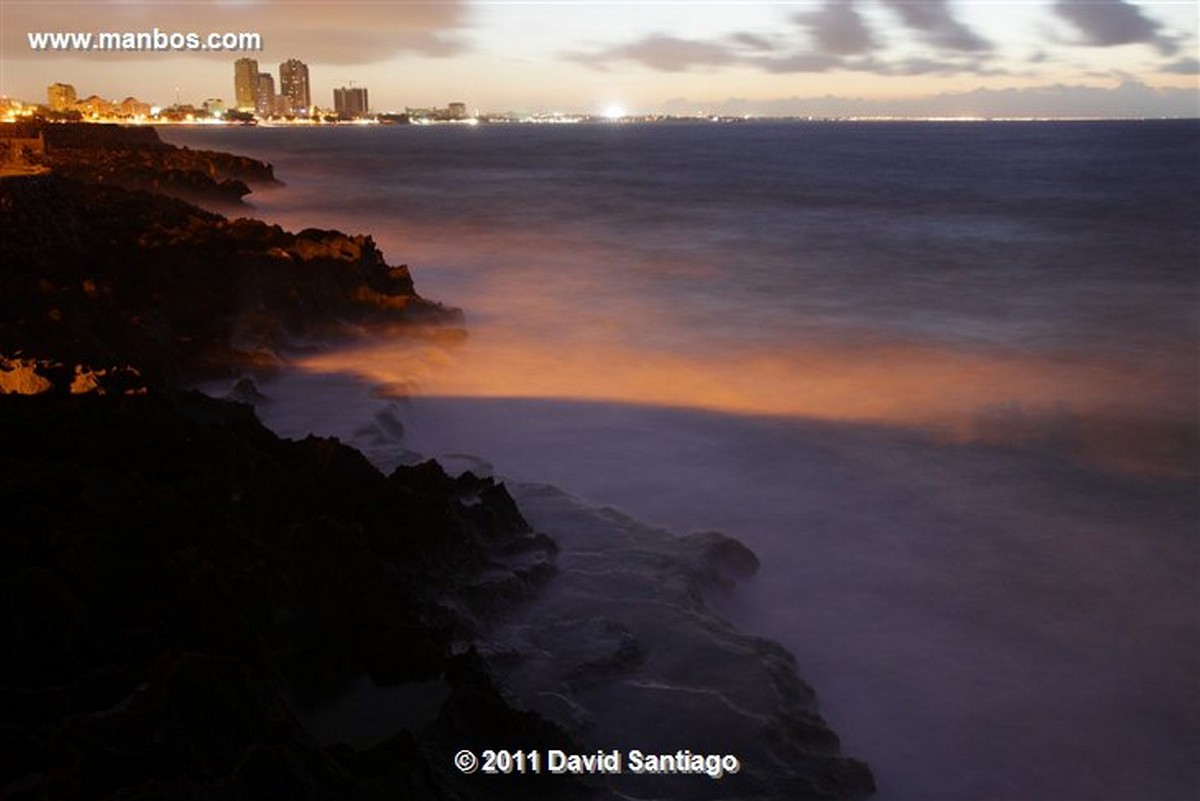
(178, 295)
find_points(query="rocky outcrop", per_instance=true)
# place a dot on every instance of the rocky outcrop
(182, 590)
(92, 136)
(134, 157)
(40, 376)
(104, 277)
(22, 377)
(622, 650)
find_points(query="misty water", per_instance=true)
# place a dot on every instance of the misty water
(942, 378)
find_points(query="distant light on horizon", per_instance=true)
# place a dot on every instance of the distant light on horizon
(614, 111)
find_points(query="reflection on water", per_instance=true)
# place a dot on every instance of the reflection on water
(1107, 414)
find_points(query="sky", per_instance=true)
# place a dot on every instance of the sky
(1121, 58)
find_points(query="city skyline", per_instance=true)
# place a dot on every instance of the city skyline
(834, 58)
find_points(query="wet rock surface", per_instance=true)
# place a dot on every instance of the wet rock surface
(622, 651)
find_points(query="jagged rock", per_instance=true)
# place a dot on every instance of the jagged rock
(134, 157)
(718, 560)
(176, 579)
(21, 377)
(312, 244)
(246, 391)
(37, 376)
(176, 291)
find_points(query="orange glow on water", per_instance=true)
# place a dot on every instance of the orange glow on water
(1014, 399)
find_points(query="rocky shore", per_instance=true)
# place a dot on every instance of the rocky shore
(195, 608)
(136, 158)
(103, 277)
(180, 588)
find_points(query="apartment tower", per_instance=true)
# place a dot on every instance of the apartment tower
(245, 83)
(293, 87)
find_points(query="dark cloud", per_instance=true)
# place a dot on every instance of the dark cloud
(934, 22)
(837, 28)
(822, 62)
(671, 54)
(1113, 22)
(1184, 66)
(347, 32)
(663, 53)
(753, 42)
(921, 66)
(802, 62)
(838, 39)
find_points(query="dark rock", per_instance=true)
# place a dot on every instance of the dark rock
(134, 157)
(246, 391)
(718, 560)
(142, 281)
(173, 576)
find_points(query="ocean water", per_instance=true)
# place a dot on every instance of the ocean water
(941, 377)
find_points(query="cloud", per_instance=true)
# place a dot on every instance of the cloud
(1112, 23)
(837, 28)
(663, 53)
(670, 54)
(350, 32)
(928, 66)
(753, 41)
(1131, 98)
(802, 62)
(837, 39)
(1184, 66)
(934, 22)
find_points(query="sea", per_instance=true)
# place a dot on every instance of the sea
(941, 377)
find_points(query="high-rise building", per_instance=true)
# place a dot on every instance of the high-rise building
(457, 111)
(245, 83)
(264, 95)
(350, 101)
(293, 87)
(61, 96)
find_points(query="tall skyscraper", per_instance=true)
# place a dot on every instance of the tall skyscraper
(264, 95)
(245, 83)
(61, 96)
(293, 86)
(350, 102)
